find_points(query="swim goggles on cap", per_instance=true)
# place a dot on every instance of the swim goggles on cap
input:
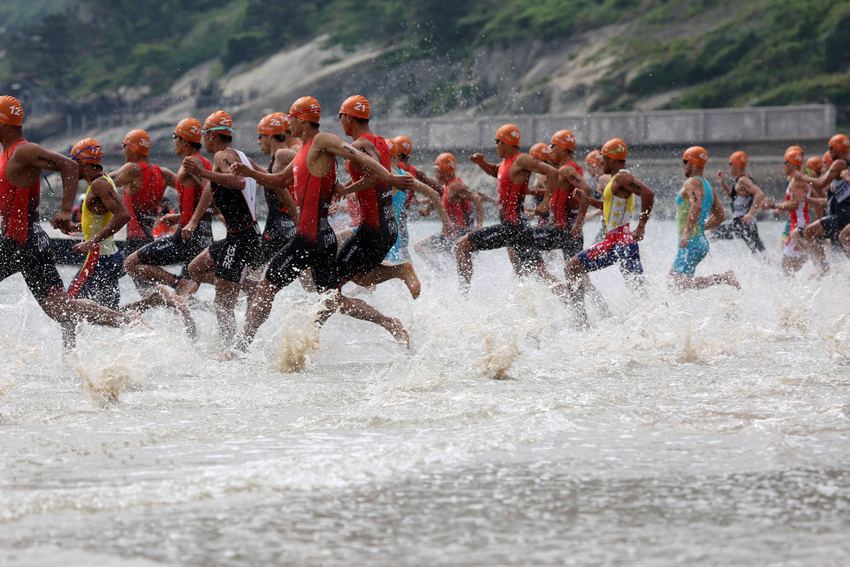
(217, 129)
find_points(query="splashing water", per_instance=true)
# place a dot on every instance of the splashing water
(708, 426)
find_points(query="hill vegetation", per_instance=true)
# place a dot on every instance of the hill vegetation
(709, 53)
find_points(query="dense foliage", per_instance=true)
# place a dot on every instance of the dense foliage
(709, 52)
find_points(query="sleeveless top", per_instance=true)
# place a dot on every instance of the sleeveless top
(143, 205)
(459, 212)
(237, 207)
(18, 205)
(273, 202)
(376, 208)
(92, 223)
(741, 204)
(799, 216)
(563, 203)
(683, 208)
(616, 211)
(190, 196)
(314, 195)
(837, 202)
(511, 195)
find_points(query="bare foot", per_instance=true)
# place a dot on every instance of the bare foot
(179, 304)
(411, 280)
(397, 330)
(186, 287)
(226, 355)
(730, 279)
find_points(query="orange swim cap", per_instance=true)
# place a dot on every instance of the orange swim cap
(508, 134)
(138, 141)
(794, 156)
(839, 143)
(564, 139)
(392, 147)
(739, 159)
(827, 159)
(593, 158)
(307, 109)
(87, 150)
(356, 106)
(446, 163)
(274, 124)
(696, 155)
(615, 148)
(11, 111)
(815, 164)
(540, 152)
(189, 129)
(219, 121)
(405, 144)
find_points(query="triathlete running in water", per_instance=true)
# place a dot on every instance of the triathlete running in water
(697, 209)
(24, 246)
(747, 198)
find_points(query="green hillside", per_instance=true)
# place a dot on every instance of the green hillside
(710, 53)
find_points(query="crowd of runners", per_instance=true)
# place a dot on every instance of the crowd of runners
(302, 190)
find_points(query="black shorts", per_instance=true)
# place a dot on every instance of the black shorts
(363, 252)
(834, 224)
(300, 254)
(232, 254)
(550, 237)
(173, 250)
(34, 260)
(507, 235)
(133, 244)
(279, 231)
(98, 278)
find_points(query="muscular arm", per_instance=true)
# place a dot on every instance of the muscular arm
(107, 195)
(222, 162)
(125, 177)
(833, 173)
(491, 169)
(33, 155)
(436, 202)
(169, 176)
(335, 146)
(432, 183)
(628, 182)
(752, 189)
(798, 194)
(717, 214)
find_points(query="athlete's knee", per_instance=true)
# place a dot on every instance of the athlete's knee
(131, 262)
(574, 268)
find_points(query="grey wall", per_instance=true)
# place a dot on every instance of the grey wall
(727, 125)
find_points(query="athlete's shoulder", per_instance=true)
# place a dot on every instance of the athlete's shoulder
(284, 155)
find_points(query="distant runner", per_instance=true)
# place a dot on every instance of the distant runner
(747, 198)
(697, 209)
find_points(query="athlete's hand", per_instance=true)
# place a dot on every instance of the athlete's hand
(542, 209)
(241, 170)
(188, 230)
(845, 175)
(85, 247)
(62, 221)
(638, 233)
(576, 231)
(402, 181)
(747, 218)
(477, 157)
(193, 166)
